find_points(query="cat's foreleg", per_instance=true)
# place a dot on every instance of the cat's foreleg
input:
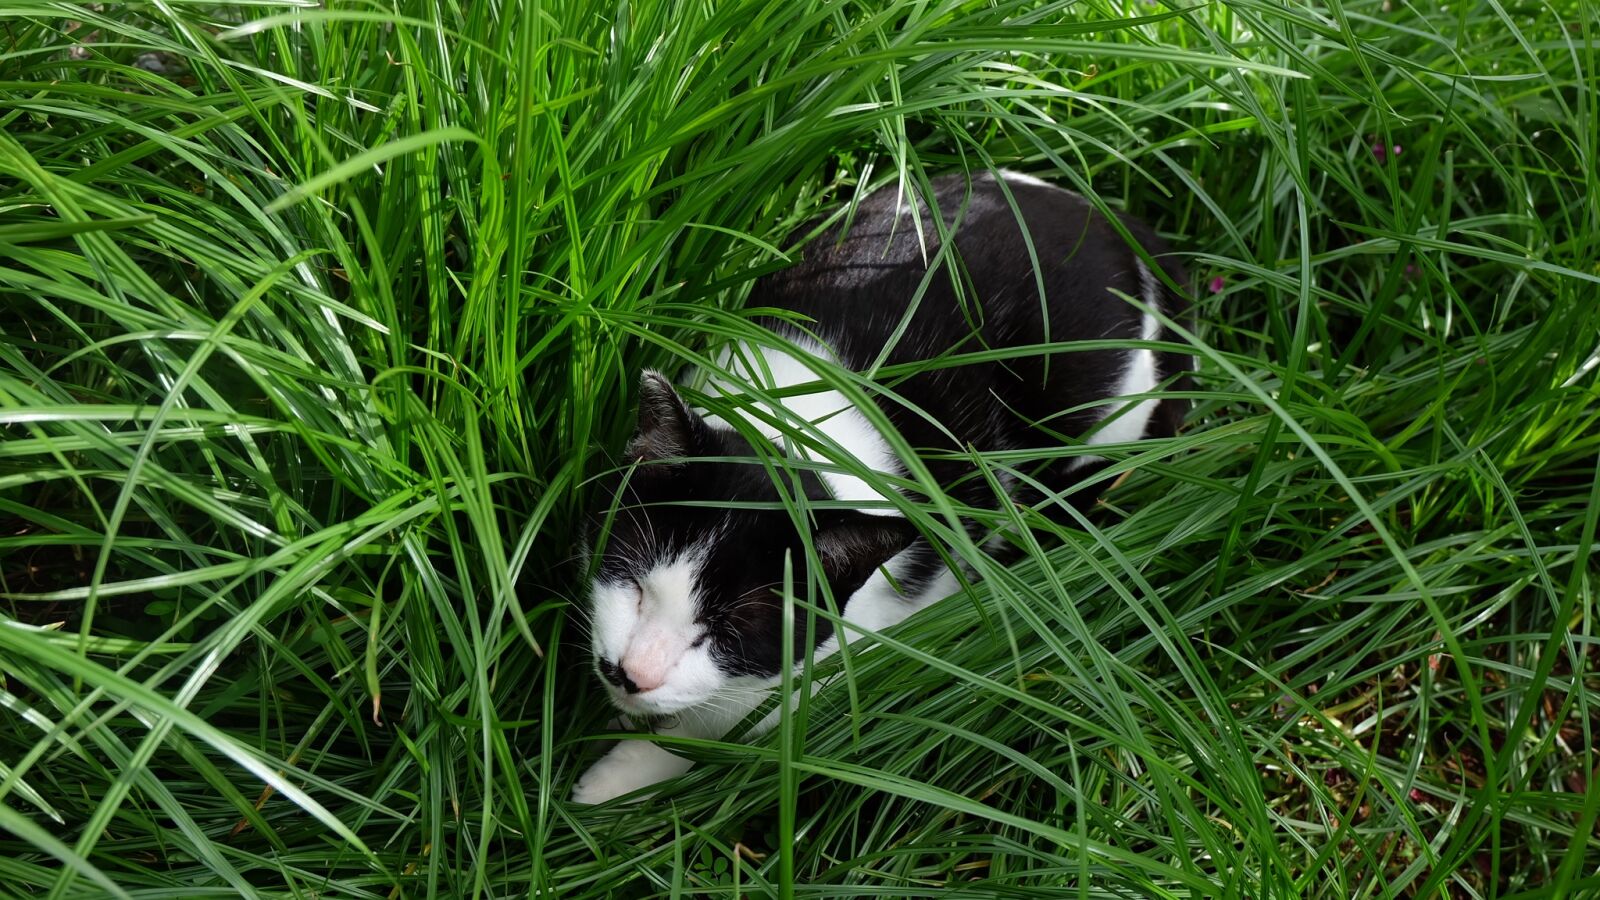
(637, 763)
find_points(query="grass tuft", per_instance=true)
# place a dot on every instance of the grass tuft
(316, 321)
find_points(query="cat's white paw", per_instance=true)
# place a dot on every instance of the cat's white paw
(629, 766)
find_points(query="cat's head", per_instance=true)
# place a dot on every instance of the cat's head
(687, 592)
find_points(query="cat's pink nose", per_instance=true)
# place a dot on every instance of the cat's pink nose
(643, 678)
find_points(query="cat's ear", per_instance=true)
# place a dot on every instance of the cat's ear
(852, 545)
(667, 426)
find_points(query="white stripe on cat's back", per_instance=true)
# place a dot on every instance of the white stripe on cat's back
(1140, 375)
(1024, 178)
(1128, 424)
(834, 416)
(1140, 378)
(1151, 286)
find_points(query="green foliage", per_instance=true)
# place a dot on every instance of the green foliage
(314, 321)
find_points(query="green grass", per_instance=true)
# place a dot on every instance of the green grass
(310, 342)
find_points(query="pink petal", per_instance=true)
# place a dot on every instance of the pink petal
(1217, 284)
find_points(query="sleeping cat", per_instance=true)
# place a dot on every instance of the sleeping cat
(687, 613)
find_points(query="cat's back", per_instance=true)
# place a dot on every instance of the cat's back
(1034, 265)
(1013, 235)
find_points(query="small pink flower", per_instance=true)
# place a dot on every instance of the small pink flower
(1417, 796)
(1380, 154)
(1217, 284)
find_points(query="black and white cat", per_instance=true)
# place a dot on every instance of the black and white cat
(687, 617)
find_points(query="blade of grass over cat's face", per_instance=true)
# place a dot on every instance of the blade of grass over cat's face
(317, 324)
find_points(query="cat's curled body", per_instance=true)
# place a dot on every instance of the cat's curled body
(687, 624)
